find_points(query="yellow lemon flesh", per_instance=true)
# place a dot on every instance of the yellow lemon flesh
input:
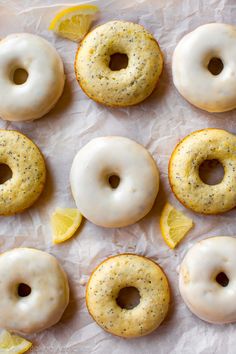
(174, 225)
(65, 222)
(10, 343)
(73, 23)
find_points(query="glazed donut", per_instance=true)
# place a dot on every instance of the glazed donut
(129, 85)
(44, 84)
(189, 154)
(211, 90)
(135, 171)
(28, 169)
(124, 271)
(207, 279)
(47, 295)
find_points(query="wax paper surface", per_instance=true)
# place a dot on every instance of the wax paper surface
(158, 123)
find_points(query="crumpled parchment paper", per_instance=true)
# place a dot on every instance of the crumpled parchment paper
(158, 124)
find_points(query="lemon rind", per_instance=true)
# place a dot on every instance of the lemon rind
(164, 226)
(65, 14)
(56, 239)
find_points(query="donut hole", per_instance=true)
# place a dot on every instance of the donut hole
(5, 173)
(128, 298)
(23, 290)
(20, 76)
(114, 181)
(215, 66)
(211, 172)
(222, 279)
(118, 61)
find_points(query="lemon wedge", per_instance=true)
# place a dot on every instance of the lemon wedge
(174, 225)
(64, 223)
(10, 343)
(73, 23)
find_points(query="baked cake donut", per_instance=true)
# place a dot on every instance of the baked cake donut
(207, 279)
(204, 67)
(125, 271)
(114, 181)
(186, 184)
(28, 169)
(32, 96)
(131, 84)
(34, 290)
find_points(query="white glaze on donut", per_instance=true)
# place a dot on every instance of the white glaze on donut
(45, 82)
(204, 296)
(89, 177)
(213, 93)
(49, 296)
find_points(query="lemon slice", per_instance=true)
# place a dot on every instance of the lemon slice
(73, 23)
(13, 344)
(64, 223)
(174, 225)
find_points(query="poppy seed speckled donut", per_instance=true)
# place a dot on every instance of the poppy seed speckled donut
(189, 154)
(28, 169)
(124, 271)
(129, 85)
